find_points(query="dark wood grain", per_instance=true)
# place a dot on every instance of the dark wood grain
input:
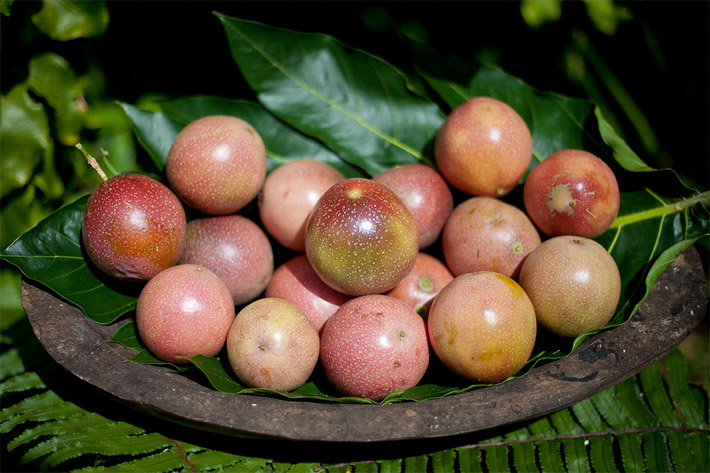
(676, 305)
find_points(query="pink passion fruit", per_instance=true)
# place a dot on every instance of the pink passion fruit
(572, 192)
(133, 227)
(482, 327)
(360, 238)
(374, 345)
(484, 147)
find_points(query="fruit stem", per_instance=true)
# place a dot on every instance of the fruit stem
(92, 162)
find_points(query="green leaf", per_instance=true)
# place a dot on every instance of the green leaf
(443, 461)
(157, 130)
(127, 336)
(623, 154)
(496, 456)
(25, 139)
(524, 453)
(357, 104)
(52, 78)
(574, 451)
(657, 397)
(51, 253)
(656, 452)
(416, 463)
(680, 392)
(65, 20)
(218, 377)
(550, 451)
(471, 459)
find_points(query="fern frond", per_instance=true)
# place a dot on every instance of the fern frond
(417, 463)
(549, 451)
(601, 453)
(678, 445)
(496, 455)
(210, 460)
(42, 407)
(631, 454)
(11, 363)
(524, 454)
(680, 391)
(87, 422)
(657, 397)
(390, 466)
(75, 437)
(656, 451)
(573, 446)
(112, 445)
(470, 460)
(167, 460)
(443, 462)
(22, 382)
(638, 414)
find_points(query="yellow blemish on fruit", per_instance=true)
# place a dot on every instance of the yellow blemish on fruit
(513, 286)
(489, 354)
(354, 193)
(560, 199)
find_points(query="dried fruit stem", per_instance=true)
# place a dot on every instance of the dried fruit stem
(92, 162)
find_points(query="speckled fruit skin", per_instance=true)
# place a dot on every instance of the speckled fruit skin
(487, 234)
(573, 283)
(217, 164)
(425, 193)
(273, 344)
(184, 311)
(374, 345)
(572, 192)
(289, 194)
(482, 327)
(422, 284)
(295, 281)
(133, 227)
(235, 249)
(484, 147)
(360, 238)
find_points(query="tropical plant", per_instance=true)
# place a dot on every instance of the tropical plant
(318, 97)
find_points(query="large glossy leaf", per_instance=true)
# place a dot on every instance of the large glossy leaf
(157, 130)
(357, 104)
(51, 253)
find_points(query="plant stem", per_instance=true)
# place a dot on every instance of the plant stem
(660, 211)
(92, 162)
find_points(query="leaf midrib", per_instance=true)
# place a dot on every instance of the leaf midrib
(357, 119)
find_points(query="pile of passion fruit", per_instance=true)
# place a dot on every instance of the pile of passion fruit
(362, 295)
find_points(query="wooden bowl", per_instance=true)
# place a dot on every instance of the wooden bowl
(675, 306)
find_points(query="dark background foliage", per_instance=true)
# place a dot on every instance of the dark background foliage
(177, 49)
